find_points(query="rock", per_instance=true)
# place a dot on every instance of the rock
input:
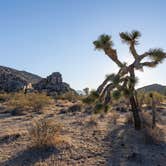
(12, 80)
(53, 85)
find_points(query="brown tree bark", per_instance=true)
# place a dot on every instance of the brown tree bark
(135, 111)
(133, 102)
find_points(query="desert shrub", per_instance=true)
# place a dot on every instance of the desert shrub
(91, 98)
(152, 136)
(34, 101)
(144, 98)
(4, 97)
(18, 102)
(39, 101)
(75, 108)
(71, 96)
(88, 100)
(43, 133)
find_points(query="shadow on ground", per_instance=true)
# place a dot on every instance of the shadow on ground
(127, 148)
(30, 156)
(9, 138)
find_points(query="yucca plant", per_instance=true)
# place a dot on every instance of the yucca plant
(125, 80)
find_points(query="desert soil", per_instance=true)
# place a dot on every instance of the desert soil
(88, 141)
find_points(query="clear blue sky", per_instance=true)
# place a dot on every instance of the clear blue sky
(43, 36)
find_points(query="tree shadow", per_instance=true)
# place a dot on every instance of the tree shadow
(30, 156)
(127, 148)
(9, 138)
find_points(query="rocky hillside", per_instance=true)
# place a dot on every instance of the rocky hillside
(53, 85)
(12, 80)
(154, 87)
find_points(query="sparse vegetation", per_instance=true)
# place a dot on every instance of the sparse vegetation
(70, 96)
(43, 133)
(4, 97)
(20, 102)
(144, 98)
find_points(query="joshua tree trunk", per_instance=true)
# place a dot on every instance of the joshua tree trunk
(135, 110)
(134, 103)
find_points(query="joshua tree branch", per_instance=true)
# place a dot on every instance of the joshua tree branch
(107, 90)
(100, 88)
(149, 64)
(143, 55)
(111, 53)
(133, 51)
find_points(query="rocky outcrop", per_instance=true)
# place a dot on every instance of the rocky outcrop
(12, 80)
(10, 83)
(53, 85)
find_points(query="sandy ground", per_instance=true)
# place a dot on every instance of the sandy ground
(87, 143)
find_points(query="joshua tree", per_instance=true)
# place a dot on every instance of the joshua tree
(124, 81)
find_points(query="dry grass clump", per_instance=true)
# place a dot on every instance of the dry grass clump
(4, 97)
(44, 132)
(20, 102)
(70, 96)
(152, 136)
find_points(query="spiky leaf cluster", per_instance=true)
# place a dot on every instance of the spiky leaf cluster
(103, 42)
(130, 37)
(157, 55)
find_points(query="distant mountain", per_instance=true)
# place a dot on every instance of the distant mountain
(12, 80)
(154, 87)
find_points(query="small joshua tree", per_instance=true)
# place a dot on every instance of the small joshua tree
(124, 81)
